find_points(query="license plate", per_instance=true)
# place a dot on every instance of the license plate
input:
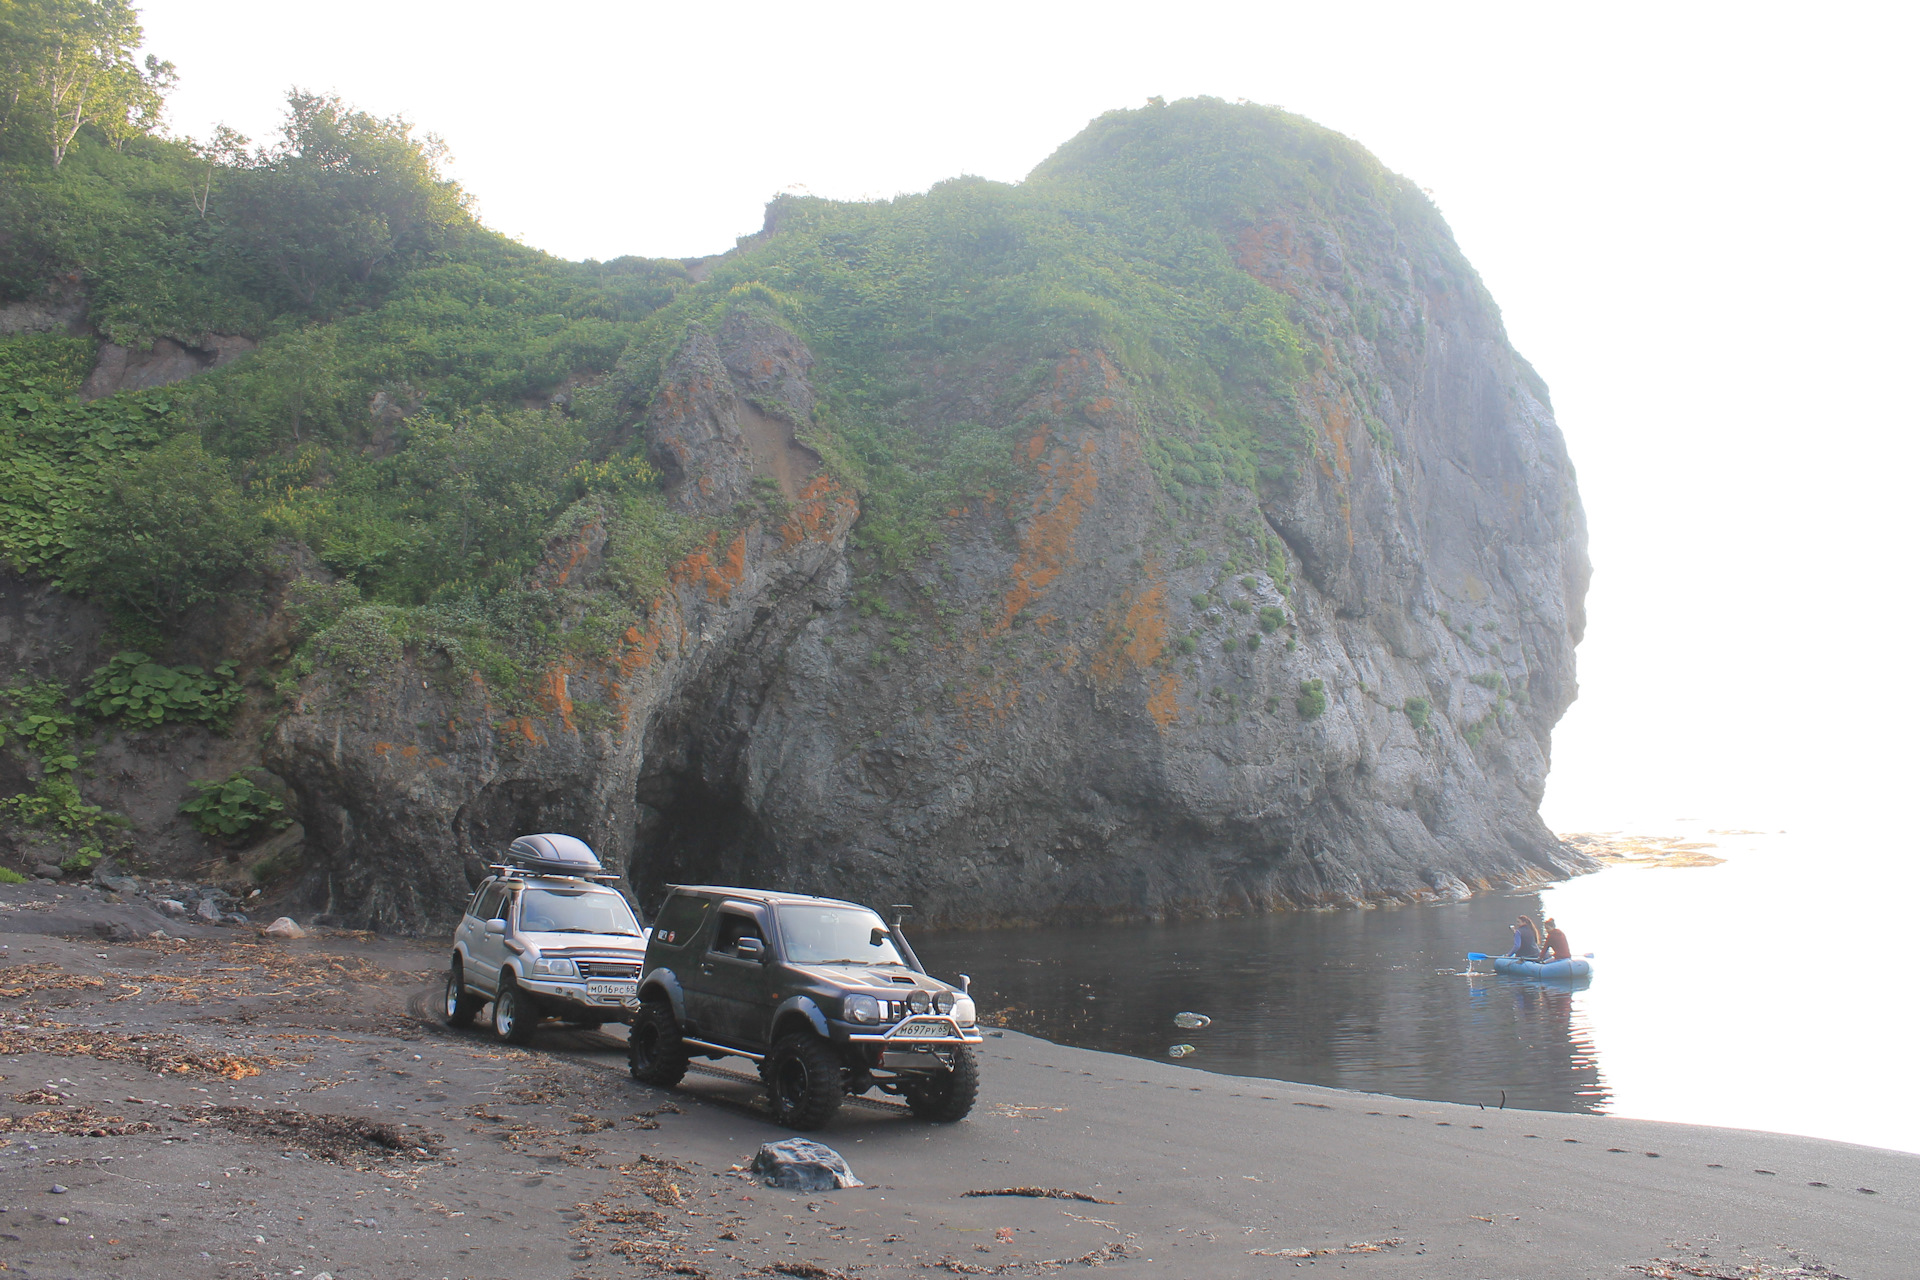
(612, 988)
(921, 1030)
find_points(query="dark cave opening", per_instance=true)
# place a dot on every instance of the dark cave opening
(692, 832)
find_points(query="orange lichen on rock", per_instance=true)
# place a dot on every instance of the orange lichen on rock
(1046, 543)
(578, 550)
(409, 751)
(640, 649)
(381, 748)
(553, 693)
(525, 727)
(979, 708)
(1136, 630)
(1163, 704)
(1337, 417)
(718, 578)
(1256, 245)
(817, 512)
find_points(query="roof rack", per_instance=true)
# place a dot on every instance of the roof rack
(508, 871)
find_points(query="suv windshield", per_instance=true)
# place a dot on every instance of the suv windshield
(576, 911)
(825, 935)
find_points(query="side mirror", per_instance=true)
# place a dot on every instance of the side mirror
(750, 949)
(496, 927)
(877, 937)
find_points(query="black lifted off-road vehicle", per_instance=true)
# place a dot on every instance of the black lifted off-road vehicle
(827, 998)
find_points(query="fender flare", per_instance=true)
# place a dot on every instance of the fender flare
(802, 1005)
(662, 982)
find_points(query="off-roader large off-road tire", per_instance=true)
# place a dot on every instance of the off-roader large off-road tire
(803, 1081)
(515, 1015)
(462, 1005)
(656, 1054)
(948, 1095)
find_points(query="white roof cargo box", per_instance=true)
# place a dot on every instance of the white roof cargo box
(554, 855)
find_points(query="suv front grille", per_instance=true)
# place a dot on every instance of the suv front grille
(607, 969)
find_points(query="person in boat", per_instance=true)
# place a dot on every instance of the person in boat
(1557, 946)
(1526, 939)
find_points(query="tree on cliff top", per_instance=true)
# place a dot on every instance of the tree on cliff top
(341, 201)
(65, 64)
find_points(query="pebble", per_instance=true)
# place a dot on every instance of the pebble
(56, 1189)
(61, 1221)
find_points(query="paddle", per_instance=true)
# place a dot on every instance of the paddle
(1476, 955)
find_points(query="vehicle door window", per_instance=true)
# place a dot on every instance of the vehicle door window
(731, 927)
(488, 908)
(680, 920)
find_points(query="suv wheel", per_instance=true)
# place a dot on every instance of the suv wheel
(514, 1013)
(462, 1004)
(949, 1095)
(656, 1054)
(803, 1081)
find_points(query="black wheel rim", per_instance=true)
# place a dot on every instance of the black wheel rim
(646, 1046)
(790, 1089)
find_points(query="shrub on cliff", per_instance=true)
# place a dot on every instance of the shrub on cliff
(231, 807)
(171, 531)
(144, 694)
(1312, 700)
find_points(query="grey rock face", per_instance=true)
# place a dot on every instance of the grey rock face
(727, 414)
(121, 368)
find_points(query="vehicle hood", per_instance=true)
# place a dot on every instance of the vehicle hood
(873, 977)
(561, 944)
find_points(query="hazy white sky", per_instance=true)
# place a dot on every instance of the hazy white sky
(1697, 219)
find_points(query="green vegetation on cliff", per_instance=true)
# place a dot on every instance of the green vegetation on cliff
(427, 398)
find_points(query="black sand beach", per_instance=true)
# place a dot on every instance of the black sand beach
(226, 1106)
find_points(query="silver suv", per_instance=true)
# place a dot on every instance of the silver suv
(543, 937)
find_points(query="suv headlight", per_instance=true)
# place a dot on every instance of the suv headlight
(861, 1009)
(963, 1011)
(943, 1002)
(559, 968)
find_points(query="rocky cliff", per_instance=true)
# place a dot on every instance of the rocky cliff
(1294, 632)
(1091, 700)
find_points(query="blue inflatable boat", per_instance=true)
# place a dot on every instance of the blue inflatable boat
(1578, 967)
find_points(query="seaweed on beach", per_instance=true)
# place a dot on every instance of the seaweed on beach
(1040, 1193)
(158, 1052)
(80, 1121)
(348, 1140)
(1107, 1253)
(1797, 1267)
(640, 1234)
(1356, 1246)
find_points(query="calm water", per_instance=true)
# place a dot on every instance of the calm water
(1721, 997)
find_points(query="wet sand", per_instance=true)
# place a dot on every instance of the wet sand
(224, 1106)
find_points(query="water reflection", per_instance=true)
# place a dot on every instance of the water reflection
(1369, 1000)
